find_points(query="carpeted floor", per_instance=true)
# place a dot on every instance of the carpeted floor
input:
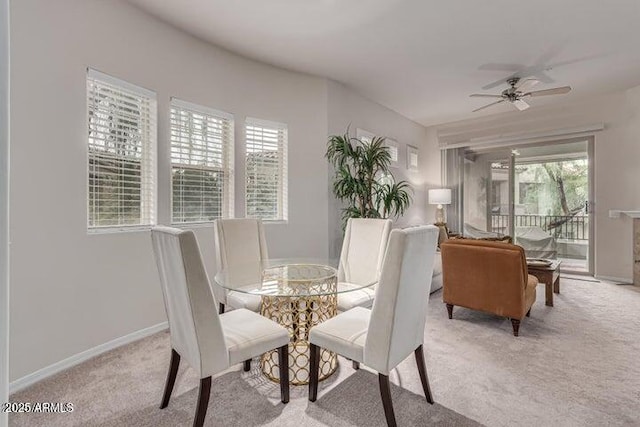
(576, 364)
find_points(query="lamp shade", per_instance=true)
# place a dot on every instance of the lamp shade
(440, 196)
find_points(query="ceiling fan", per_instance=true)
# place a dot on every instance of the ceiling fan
(520, 89)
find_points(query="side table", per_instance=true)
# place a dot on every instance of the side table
(550, 276)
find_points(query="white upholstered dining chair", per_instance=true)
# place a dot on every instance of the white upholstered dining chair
(208, 341)
(241, 251)
(363, 248)
(384, 336)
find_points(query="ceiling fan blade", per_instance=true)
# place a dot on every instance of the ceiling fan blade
(520, 104)
(498, 82)
(554, 91)
(483, 95)
(501, 67)
(488, 105)
(526, 84)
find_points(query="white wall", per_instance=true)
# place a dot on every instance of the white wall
(72, 291)
(4, 206)
(346, 108)
(617, 160)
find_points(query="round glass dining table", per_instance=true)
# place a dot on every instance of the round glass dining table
(298, 294)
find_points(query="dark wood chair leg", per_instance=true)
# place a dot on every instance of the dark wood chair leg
(220, 308)
(422, 369)
(247, 365)
(356, 365)
(385, 393)
(450, 310)
(283, 365)
(314, 366)
(203, 402)
(516, 326)
(529, 313)
(171, 378)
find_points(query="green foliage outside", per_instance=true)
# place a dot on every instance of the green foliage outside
(554, 188)
(264, 185)
(114, 190)
(198, 194)
(116, 128)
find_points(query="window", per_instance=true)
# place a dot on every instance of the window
(266, 170)
(121, 153)
(391, 144)
(201, 163)
(496, 193)
(364, 136)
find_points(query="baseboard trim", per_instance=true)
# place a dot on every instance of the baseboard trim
(579, 277)
(621, 280)
(76, 359)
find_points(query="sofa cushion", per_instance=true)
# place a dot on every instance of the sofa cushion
(505, 239)
(437, 264)
(436, 278)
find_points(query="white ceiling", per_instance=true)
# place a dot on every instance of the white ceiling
(423, 58)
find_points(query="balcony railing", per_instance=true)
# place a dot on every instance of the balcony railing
(560, 226)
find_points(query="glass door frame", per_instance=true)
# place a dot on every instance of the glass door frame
(512, 195)
(510, 158)
(591, 183)
(460, 178)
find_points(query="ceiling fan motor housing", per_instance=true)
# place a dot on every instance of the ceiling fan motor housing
(512, 93)
(514, 81)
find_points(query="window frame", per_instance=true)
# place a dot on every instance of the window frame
(364, 135)
(151, 159)
(229, 194)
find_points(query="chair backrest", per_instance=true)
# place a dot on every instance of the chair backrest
(363, 249)
(194, 324)
(399, 310)
(241, 251)
(484, 275)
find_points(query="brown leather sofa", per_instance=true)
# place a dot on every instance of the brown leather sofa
(487, 276)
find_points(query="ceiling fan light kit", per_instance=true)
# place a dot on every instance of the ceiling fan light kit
(519, 89)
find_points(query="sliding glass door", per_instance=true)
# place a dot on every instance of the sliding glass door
(487, 194)
(537, 194)
(552, 218)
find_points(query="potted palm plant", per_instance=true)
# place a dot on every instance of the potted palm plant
(363, 181)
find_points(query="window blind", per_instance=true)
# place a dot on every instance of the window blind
(392, 147)
(121, 153)
(201, 163)
(364, 136)
(266, 170)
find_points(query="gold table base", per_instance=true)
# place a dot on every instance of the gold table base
(298, 314)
